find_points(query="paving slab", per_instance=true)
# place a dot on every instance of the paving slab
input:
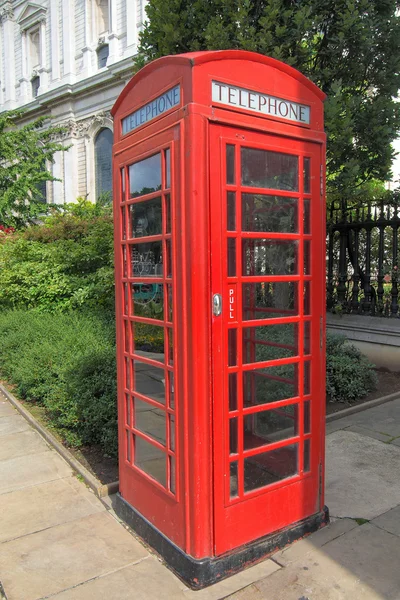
(19, 444)
(360, 565)
(376, 435)
(50, 561)
(13, 424)
(41, 506)
(24, 471)
(384, 419)
(390, 521)
(396, 442)
(362, 475)
(6, 409)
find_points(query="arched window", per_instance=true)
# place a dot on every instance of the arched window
(102, 55)
(102, 156)
(35, 83)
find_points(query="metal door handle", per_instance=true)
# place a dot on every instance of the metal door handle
(217, 305)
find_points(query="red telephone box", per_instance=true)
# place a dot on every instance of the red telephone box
(220, 251)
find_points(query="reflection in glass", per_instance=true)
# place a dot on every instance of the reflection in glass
(151, 460)
(307, 337)
(307, 368)
(126, 335)
(128, 410)
(269, 300)
(267, 257)
(146, 218)
(307, 298)
(233, 436)
(269, 342)
(127, 372)
(172, 432)
(270, 426)
(307, 257)
(270, 384)
(170, 346)
(170, 377)
(126, 299)
(148, 340)
(172, 474)
(169, 297)
(145, 176)
(269, 213)
(148, 299)
(268, 467)
(273, 170)
(232, 346)
(147, 260)
(167, 213)
(231, 211)
(125, 262)
(168, 249)
(149, 381)
(306, 216)
(306, 176)
(123, 183)
(128, 445)
(230, 164)
(167, 168)
(150, 420)
(233, 483)
(232, 391)
(123, 222)
(306, 467)
(231, 257)
(307, 416)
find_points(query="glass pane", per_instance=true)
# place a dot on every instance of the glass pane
(267, 257)
(231, 257)
(307, 298)
(306, 176)
(306, 378)
(170, 377)
(231, 211)
(151, 460)
(145, 218)
(307, 257)
(168, 213)
(167, 168)
(126, 299)
(170, 346)
(270, 384)
(232, 347)
(269, 300)
(307, 337)
(230, 164)
(306, 456)
(123, 183)
(125, 261)
(269, 342)
(148, 340)
(145, 176)
(169, 308)
(128, 446)
(128, 411)
(150, 420)
(147, 260)
(148, 300)
(233, 436)
(149, 381)
(269, 213)
(168, 248)
(306, 216)
(172, 486)
(126, 336)
(127, 372)
(307, 416)
(232, 391)
(233, 483)
(273, 170)
(172, 432)
(270, 426)
(123, 223)
(269, 467)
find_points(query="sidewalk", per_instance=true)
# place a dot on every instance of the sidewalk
(57, 540)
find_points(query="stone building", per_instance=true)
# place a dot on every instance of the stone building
(69, 59)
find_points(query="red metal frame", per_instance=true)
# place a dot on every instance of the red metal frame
(198, 515)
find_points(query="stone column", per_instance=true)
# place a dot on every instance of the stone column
(24, 81)
(68, 16)
(54, 40)
(43, 71)
(7, 24)
(112, 33)
(131, 28)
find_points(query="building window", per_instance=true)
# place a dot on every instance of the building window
(34, 49)
(103, 155)
(102, 55)
(103, 19)
(35, 82)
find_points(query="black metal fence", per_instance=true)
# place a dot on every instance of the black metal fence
(363, 259)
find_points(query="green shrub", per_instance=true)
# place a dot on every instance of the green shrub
(65, 362)
(349, 374)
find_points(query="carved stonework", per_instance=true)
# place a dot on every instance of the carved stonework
(6, 12)
(78, 129)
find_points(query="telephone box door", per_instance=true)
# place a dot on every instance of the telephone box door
(267, 243)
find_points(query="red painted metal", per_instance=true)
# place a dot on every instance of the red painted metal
(201, 504)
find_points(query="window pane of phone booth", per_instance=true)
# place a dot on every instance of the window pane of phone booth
(149, 381)
(275, 214)
(270, 300)
(269, 426)
(146, 218)
(266, 169)
(230, 164)
(231, 211)
(150, 420)
(271, 384)
(145, 176)
(269, 257)
(151, 460)
(147, 299)
(270, 342)
(147, 259)
(269, 467)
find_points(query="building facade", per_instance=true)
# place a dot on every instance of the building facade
(69, 60)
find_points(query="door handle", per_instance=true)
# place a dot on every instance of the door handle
(217, 305)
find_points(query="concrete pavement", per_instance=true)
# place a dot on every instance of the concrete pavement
(58, 540)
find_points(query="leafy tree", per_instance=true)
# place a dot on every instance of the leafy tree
(25, 152)
(349, 48)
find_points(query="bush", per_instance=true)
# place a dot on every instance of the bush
(65, 362)
(349, 374)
